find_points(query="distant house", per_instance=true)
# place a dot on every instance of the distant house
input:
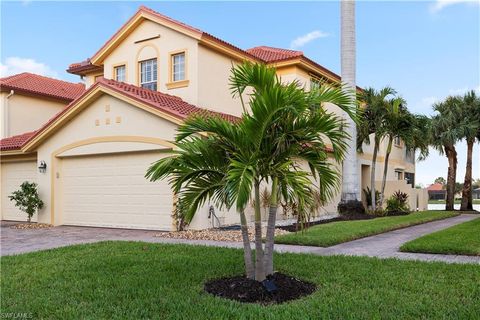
(436, 192)
(476, 193)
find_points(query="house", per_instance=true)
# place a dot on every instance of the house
(436, 191)
(140, 85)
(476, 193)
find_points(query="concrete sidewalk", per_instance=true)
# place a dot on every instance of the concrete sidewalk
(386, 245)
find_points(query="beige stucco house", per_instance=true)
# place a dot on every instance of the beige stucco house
(140, 85)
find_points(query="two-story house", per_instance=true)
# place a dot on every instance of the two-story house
(90, 159)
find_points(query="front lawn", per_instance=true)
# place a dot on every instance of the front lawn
(329, 234)
(134, 280)
(460, 239)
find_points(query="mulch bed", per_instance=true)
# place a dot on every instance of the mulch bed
(298, 226)
(32, 226)
(246, 290)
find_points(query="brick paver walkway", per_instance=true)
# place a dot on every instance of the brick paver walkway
(386, 245)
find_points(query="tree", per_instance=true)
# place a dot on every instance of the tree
(27, 199)
(372, 121)
(441, 180)
(445, 133)
(350, 179)
(285, 126)
(470, 106)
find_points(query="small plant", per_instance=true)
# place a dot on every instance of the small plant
(398, 203)
(27, 199)
(368, 196)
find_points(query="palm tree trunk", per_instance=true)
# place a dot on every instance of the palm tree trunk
(451, 176)
(372, 174)
(247, 250)
(467, 202)
(272, 217)
(259, 256)
(385, 169)
(350, 176)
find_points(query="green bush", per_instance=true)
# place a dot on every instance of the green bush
(397, 204)
(27, 199)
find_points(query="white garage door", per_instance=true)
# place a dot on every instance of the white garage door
(111, 191)
(13, 175)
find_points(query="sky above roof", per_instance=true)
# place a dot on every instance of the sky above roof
(425, 50)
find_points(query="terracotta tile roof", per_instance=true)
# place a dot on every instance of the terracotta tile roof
(435, 187)
(15, 142)
(270, 54)
(81, 67)
(40, 85)
(172, 105)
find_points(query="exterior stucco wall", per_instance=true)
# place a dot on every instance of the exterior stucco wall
(214, 71)
(133, 122)
(26, 113)
(131, 53)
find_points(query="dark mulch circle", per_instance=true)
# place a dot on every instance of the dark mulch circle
(241, 289)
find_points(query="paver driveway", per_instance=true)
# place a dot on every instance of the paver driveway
(15, 241)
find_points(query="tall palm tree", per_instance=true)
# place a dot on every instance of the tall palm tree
(445, 133)
(350, 176)
(470, 105)
(285, 125)
(373, 121)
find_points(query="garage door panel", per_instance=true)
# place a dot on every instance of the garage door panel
(111, 191)
(13, 175)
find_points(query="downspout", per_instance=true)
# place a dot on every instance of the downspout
(6, 121)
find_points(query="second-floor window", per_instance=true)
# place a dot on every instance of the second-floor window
(120, 73)
(148, 74)
(397, 141)
(178, 67)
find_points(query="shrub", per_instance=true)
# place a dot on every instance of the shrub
(27, 199)
(397, 204)
(368, 196)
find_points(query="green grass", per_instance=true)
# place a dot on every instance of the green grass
(457, 201)
(134, 280)
(329, 234)
(463, 238)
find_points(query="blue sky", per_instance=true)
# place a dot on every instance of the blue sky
(425, 50)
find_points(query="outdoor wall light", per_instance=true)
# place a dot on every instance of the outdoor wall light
(42, 167)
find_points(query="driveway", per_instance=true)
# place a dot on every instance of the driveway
(16, 241)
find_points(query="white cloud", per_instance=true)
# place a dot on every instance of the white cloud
(439, 5)
(14, 65)
(306, 38)
(462, 91)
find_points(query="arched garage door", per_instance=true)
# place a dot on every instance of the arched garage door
(111, 191)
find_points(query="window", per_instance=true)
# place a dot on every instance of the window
(397, 141)
(178, 67)
(148, 74)
(119, 73)
(314, 83)
(398, 175)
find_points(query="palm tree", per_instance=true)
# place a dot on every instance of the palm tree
(350, 178)
(398, 123)
(284, 127)
(445, 133)
(372, 121)
(470, 104)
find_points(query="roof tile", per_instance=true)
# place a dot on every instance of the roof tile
(15, 142)
(36, 84)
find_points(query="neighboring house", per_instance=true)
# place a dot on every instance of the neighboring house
(141, 84)
(436, 191)
(476, 193)
(29, 100)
